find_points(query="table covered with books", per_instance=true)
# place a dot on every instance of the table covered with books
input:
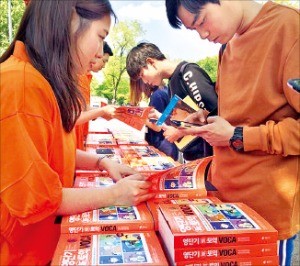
(181, 225)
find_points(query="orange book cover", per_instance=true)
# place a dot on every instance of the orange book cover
(122, 248)
(153, 205)
(183, 181)
(201, 225)
(151, 164)
(140, 151)
(133, 116)
(222, 252)
(250, 261)
(109, 219)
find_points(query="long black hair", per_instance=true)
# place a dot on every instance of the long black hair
(193, 6)
(45, 30)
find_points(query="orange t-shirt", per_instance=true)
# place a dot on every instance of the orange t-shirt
(82, 130)
(37, 161)
(253, 93)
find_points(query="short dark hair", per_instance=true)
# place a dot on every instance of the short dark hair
(193, 6)
(45, 31)
(137, 57)
(107, 49)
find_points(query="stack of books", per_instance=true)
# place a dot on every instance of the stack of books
(111, 235)
(216, 234)
(140, 151)
(113, 219)
(122, 248)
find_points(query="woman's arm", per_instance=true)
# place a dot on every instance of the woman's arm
(131, 188)
(128, 191)
(85, 160)
(106, 112)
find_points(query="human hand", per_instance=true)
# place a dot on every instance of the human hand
(198, 117)
(131, 190)
(115, 170)
(172, 134)
(217, 132)
(108, 111)
(154, 114)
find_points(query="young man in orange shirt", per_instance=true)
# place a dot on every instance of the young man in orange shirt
(256, 135)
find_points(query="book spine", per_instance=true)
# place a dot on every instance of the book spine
(96, 228)
(228, 252)
(168, 110)
(250, 261)
(180, 194)
(184, 241)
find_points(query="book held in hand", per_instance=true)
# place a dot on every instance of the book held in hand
(122, 248)
(178, 109)
(133, 116)
(183, 181)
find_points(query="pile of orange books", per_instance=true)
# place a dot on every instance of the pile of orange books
(219, 233)
(122, 248)
(109, 219)
(152, 164)
(140, 151)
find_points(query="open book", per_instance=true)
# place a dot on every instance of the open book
(177, 110)
(183, 181)
(133, 116)
(183, 184)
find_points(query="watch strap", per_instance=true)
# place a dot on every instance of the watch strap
(237, 141)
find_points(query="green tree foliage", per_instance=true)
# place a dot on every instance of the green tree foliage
(116, 81)
(17, 10)
(210, 65)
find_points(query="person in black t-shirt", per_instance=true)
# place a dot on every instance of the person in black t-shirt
(147, 63)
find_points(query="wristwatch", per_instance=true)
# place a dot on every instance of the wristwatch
(236, 141)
